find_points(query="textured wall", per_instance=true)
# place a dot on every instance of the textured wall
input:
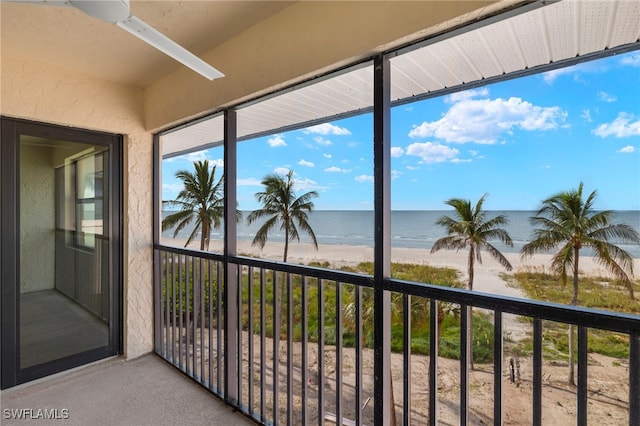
(36, 91)
(37, 219)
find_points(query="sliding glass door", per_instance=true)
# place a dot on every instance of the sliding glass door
(61, 248)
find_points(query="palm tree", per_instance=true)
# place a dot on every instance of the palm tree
(201, 200)
(280, 206)
(568, 222)
(472, 230)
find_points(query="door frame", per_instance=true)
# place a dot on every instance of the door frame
(10, 131)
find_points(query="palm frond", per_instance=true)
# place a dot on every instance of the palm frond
(260, 239)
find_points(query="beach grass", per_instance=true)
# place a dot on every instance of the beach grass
(594, 292)
(449, 346)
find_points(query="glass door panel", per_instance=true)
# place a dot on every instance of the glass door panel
(64, 250)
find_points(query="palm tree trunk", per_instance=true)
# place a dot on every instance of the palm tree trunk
(574, 301)
(469, 330)
(630, 288)
(204, 238)
(281, 312)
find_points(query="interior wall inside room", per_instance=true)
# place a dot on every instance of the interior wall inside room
(37, 219)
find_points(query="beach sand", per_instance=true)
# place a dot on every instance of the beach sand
(486, 275)
(608, 393)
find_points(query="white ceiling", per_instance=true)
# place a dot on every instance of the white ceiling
(67, 38)
(537, 38)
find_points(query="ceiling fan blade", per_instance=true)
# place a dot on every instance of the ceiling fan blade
(163, 43)
(62, 3)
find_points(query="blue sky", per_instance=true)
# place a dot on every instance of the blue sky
(520, 141)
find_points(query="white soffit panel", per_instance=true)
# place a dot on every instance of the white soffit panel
(556, 32)
(626, 24)
(193, 137)
(332, 97)
(559, 31)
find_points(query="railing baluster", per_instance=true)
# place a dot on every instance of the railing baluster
(157, 302)
(210, 358)
(289, 349)
(201, 301)
(320, 362)
(239, 351)
(358, 349)
(219, 328)
(634, 379)
(276, 349)
(194, 316)
(433, 361)
(250, 334)
(497, 368)
(338, 353)
(183, 282)
(187, 316)
(582, 375)
(165, 286)
(180, 310)
(305, 348)
(173, 311)
(263, 346)
(406, 358)
(465, 315)
(537, 372)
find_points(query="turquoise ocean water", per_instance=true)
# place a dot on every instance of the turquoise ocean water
(413, 229)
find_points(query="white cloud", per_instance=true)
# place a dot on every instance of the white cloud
(627, 149)
(281, 170)
(396, 151)
(586, 115)
(335, 169)
(632, 59)
(466, 95)
(364, 178)
(432, 152)
(327, 129)
(413, 168)
(485, 120)
(218, 162)
(249, 182)
(606, 97)
(306, 163)
(307, 184)
(321, 141)
(623, 126)
(395, 174)
(578, 71)
(550, 76)
(194, 156)
(327, 155)
(276, 140)
(460, 160)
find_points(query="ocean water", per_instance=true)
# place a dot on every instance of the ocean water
(412, 229)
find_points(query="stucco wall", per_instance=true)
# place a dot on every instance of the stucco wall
(37, 219)
(36, 91)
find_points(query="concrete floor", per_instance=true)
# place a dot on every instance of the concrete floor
(144, 391)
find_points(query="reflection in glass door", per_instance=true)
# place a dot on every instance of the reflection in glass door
(65, 294)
